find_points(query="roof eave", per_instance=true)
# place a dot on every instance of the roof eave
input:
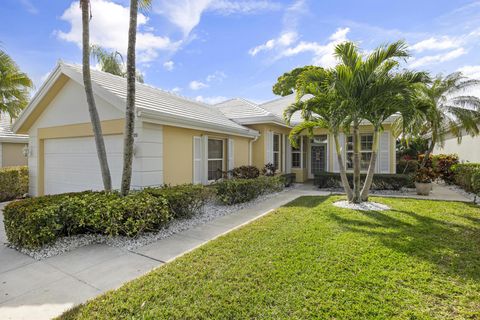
(168, 119)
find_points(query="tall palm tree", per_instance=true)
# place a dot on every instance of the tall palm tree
(15, 87)
(130, 105)
(447, 109)
(111, 62)
(92, 108)
(360, 88)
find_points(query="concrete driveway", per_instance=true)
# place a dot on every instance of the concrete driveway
(31, 289)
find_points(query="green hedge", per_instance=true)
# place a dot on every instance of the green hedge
(242, 190)
(380, 181)
(13, 183)
(34, 222)
(467, 176)
(184, 201)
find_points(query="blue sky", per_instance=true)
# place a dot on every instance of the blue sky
(211, 50)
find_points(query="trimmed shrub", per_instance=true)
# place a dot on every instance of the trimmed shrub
(34, 222)
(13, 183)
(442, 165)
(184, 200)
(380, 181)
(242, 190)
(245, 172)
(463, 175)
(288, 179)
(407, 166)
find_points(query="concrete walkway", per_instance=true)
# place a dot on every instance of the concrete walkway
(31, 289)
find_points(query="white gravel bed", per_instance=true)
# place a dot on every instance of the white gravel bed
(210, 212)
(364, 206)
(468, 195)
(401, 192)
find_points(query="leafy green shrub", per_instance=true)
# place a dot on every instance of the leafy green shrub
(442, 164)
(288, 179)
(34, 222)
(380, 181)
(407, 166)
(184, 200)
(269, 170)
(242, 190)
(245, 172)
(476, 182)
(13, 182)
(463, 175)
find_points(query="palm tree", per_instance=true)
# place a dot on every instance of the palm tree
(92, 108)
(111, 62)
(15, 87)
(360, 88)
(130, 106)
(446, 110)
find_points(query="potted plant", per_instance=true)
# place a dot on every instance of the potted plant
(423, 180)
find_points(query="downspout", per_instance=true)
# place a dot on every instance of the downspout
(250, 148)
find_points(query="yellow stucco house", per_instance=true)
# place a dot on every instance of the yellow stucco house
(177, 140)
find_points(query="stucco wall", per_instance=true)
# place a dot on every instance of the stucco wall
(259, 148)
(178, 152)
(468, 150)
(12, 154)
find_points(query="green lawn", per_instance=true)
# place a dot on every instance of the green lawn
(309, 259)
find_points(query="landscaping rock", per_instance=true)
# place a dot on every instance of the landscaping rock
(364, 206)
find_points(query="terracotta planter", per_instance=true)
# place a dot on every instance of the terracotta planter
(423, 189)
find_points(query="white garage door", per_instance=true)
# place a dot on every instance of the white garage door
(71, 164)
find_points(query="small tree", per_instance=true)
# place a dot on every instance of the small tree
(445, 111)
(15, 87)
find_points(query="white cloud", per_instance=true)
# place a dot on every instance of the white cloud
(186, 14)
(433, 43)
(322, 53)
(438, 58)
(109, 28)
(217, 76)
(283, 40)
(169, 65)
(471, 71)
(197, 85)
(211, 100)
(176, 90)
(28, 5)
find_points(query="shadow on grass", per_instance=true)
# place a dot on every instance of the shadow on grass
(452, 247)
(306, 202)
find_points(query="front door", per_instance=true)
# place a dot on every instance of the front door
(319, 158)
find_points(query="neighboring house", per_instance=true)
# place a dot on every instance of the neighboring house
(468, 150)
(177, 140)
(12, 146)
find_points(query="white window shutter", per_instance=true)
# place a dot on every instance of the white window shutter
(341, 141)
(269, 147)
(205, 159)
(197, 160)
(230, 150)
(384, 153)
(288, 152)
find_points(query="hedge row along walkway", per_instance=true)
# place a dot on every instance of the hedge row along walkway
(46, 288)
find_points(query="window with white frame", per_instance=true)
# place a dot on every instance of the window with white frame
(297, 154)
(366, 146)
(215, 159)
(276, 151)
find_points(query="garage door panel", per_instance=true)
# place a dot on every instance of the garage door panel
(71, 164)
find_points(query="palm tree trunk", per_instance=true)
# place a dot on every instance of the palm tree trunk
(371, 168)
(343, 174)
(427, 154)
(130, 107)
(356, 164)
(92, 108)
